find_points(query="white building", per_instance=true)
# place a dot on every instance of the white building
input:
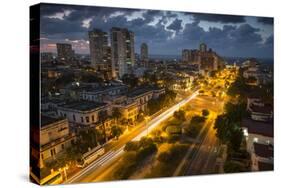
(259, 140)
(83, 112)
(55, 137)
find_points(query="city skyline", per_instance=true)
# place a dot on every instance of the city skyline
(249, 36)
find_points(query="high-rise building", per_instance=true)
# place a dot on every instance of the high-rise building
(122, 51)
(65, 52)
(190, 56)
(99, 49)
(185, 55)
(203, 47)
(144, 54)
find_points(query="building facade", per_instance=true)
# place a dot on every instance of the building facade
(144, 54)
(99, 49)
(55, 138)
(84, 113)
(64, 52)
(122, 51)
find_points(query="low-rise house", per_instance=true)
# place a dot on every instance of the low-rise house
(263, 112)
(98, 94)
(141, 96)
(128, 109)
(262, 157)
(259, 141)
(83, 112)
(55, 137)
(255, 131)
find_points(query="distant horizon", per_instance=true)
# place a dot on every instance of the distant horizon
(179, 55)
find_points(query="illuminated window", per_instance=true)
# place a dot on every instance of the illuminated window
(256, 139)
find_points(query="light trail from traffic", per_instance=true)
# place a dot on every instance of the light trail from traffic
(111, 155)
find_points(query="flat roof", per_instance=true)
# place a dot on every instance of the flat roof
(257, 127)
(139, 91)
(83, 105)
(263, 150)
(46, 120)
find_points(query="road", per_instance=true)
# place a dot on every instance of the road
(114, 152)
(204, 158)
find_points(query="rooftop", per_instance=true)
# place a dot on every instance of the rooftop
(46, 120)
(262, 150)
(266, 109)
(89, 88)
(256, 127)
(83, 105)
(139, 91)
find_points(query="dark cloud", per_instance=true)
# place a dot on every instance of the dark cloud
(265, 20)
(218, 18)
(175, 25)
(232, 39)
(269, 40)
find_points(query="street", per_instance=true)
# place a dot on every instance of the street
(116, 151)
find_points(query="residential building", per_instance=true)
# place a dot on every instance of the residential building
(144, 54)
(262, 157)
(129, 110)
(206, 59)
(99, 94)
(55, 138)
(122, 50)
(259, 143)
(142, 95)
(65, 52)
(99, 50)
(84, 113)
(259, 111)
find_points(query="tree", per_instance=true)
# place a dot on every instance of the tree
(236, 139)
(228, 131)
(180, 115)
(235, 112)
(116, 114)
(102, 118)
(131, 80)
(132, 146)
(205, 112)
(116, 131)
(146, 151)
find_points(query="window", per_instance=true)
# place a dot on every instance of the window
(62, 146)
(53, 152)
(82, 120)
(74, 118)
(42, 156)
(93, 118)
(87, 119)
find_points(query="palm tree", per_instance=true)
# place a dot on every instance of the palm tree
(103, 116)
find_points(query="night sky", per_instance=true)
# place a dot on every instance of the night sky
(165, 32)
